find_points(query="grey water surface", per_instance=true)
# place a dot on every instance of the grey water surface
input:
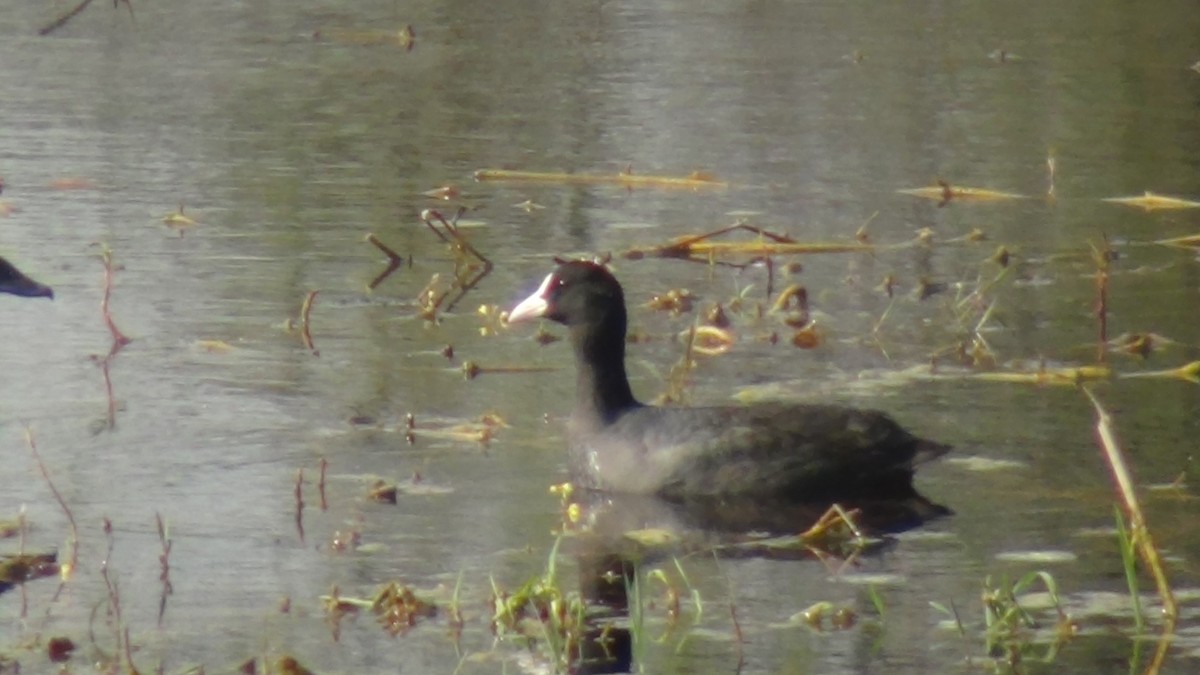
(288, 132)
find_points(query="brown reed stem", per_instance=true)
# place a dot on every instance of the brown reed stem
(164, 560)
(73, 540)
(63, 19)
(321, 485)
(305, 314)
(1107, 438)
(118, 337)
(1102, 257)
(299, 493)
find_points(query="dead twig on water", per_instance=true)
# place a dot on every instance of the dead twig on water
(1138, 532)
(119, 338)
(63, 19)
(110, 420)
(1102, 257)
(394, 261)
(299, 493)
(703, 248)
(305, 314)
(106, 258)
(120, 631)
(73, 540)
(303, 323)
(164, 560)
(321, 485)
(467, 272)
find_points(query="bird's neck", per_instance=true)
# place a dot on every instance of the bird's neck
(602, 388)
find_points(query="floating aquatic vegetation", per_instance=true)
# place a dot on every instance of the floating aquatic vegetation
(1138, 344)
(716, 316)
(710, 340)
(213, 346)
(835, 539)
(1010, 626)
(825, 616)
(405, 37)
(676, 301)
(944, 193)
(303, 324)
(396, 607)
(792, 305)
(1154, 202)
(382, 491)
(1189, 373)
(494, 318)
(22, 567)
(1189, 241)
(1065, 376)
(470, 266)
(544, 614)
(809, 337)
(700, 248)
(177, 220)
(694, 181)
(481, 430)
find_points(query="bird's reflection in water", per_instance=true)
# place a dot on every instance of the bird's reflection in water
(618, 533)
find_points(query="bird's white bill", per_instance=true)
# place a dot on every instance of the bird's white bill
(534, 306)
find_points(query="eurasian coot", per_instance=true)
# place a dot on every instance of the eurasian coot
(13, 281)
(776, 451)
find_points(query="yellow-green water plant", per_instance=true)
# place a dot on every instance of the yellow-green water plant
(1128, 549)
(1009, 627)
(545, 615)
